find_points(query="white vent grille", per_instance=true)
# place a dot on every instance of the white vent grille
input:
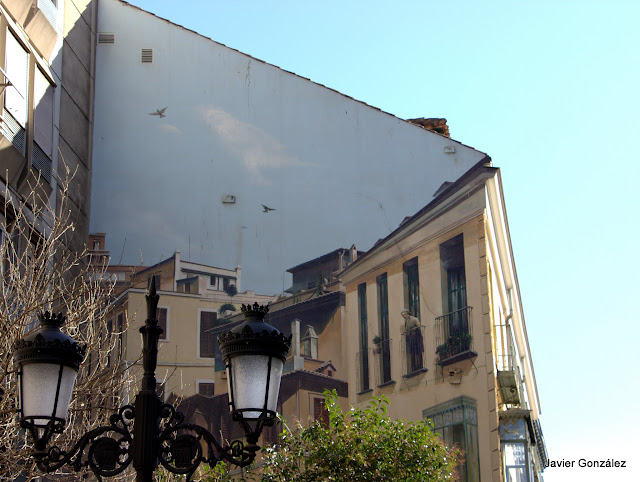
(106, 38)
(146, 56)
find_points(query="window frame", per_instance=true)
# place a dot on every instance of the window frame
(411, 284)
(382, 289)
(199, 332)
(363, 329)
(200, 381)
(164, 337)
(445, 413)
(319, 400)
(28, 147)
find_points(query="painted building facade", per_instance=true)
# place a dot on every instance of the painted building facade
(192, 302)
(232, 160)
(434, 322)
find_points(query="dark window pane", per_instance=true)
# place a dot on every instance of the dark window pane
(383, 305)
(320, 412)
(162, 322)
(207, 339)
(364, 338)
(206, 388)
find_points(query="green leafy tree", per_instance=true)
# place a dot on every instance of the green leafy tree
(361, 445)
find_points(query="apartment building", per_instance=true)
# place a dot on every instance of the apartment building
(47, 59)
(434, 322)
(194, 298)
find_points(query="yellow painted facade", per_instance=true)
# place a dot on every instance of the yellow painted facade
(473, 381)
(189, 293)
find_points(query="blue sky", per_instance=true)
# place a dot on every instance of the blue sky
(550, 91)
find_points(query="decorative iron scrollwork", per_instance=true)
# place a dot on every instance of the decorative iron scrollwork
(184, 446)
(108, 448)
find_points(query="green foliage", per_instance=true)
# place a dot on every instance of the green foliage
(226, 307)
(457, 343)
(231, 290)
(360, 445)
(219, 473)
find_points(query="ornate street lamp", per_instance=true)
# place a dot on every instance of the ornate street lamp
(149, 432)
(254, 353)
(48, 362)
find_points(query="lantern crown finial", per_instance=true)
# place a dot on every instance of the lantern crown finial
(255, 310)
(52, 319)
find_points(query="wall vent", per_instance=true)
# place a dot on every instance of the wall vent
(106, 38)
(146, 56)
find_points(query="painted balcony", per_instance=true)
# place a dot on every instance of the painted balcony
(454, 340)
(509, 377)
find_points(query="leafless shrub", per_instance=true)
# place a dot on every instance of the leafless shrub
(38, 273)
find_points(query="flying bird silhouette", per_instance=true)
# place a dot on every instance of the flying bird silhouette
(267, 209)
(159, 112)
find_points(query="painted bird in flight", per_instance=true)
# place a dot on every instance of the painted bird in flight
(267, 209)
(159, 112)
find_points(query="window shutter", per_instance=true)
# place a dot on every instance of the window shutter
(17, 70)
(207, 339)
(320, 412)
(43, 113)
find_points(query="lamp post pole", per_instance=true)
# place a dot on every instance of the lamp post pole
(151, 432)
(147, 405)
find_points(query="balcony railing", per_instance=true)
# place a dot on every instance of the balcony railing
(382, 352)
(454, 341)
(506, 355)
(362, 368)
(413, 351)
(509, 377)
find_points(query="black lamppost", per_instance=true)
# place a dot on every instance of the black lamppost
(149, 432)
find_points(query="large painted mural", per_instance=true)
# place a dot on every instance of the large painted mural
(232, 161)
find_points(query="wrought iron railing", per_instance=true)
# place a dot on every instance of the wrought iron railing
(413, 351)
(453, 334)
(509, 376)
(382, 351)
(505, 348)
(363, 359)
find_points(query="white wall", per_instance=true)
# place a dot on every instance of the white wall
(336, 170)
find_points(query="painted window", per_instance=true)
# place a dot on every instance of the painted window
(364, 338)
(412, 287)
(206, 388)
(456, 421)
(320, 412)
(516, 459)
(453, 328)
(163, 322)
(207, 338)
(385, 342)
